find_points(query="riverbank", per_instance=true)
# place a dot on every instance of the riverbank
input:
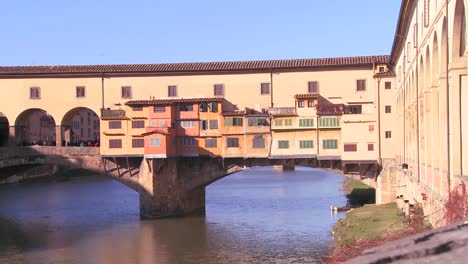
(367, 226)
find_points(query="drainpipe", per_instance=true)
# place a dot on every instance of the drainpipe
(102, 90)
(448, 98)
(271, 88)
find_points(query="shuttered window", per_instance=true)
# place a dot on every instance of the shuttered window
(278, 122)
(313, 87)
(329, 122)
(187, 124)
(233, 142)
(258, 142)
(115, 143)
(155, 142)
(211, 143)
(388, 85)
(306, 122)
(138, 143)
(330, 144)
(233, 121)
(306, 144)
(283, 144)
(350, 147)
(80, 91)
(214, 124)
(126, 92)
(138, 124)
(288, 122)
(34, 93)
(187, 141)
(219, 89)
(265, 88)
(171, 90)
(257, 121)
(115, 124)
(360, 85)
(159, 109)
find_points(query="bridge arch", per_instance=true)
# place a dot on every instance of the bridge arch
(459, 30)
(4, 130)
(35, 126)
(80, 124)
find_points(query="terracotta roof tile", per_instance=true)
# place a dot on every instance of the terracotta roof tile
(306, 96)
(193, 66)
(166, 101)
(234, 113)
(385, 74)
(156, 131)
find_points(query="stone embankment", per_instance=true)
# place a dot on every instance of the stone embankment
(447, 244)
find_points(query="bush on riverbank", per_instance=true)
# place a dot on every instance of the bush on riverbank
(358, 193)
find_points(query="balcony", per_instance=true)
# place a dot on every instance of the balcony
(112, 114)
(330, 109)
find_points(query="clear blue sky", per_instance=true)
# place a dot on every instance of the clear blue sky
(50, 32)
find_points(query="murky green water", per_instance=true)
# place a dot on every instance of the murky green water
(255, 216)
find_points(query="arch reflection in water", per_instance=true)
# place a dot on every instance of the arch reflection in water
(255, 216)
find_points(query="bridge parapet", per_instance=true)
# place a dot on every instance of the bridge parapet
(10, 152)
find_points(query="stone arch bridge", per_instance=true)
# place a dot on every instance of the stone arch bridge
(167, 187)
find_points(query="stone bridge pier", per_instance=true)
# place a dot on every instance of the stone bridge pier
(176, 186)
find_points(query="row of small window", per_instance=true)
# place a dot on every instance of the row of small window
(203, 107)
(353, 147)
(153, 142)
(310, 103)
(323, 122)
(309, 144)
(35, 92)
(251, 121)
(218, 90)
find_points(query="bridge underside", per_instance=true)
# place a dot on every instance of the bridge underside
(176, 186)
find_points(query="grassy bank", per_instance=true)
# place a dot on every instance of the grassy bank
(368, 222)
(366, 227)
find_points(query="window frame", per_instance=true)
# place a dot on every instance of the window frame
(115, 143)
(283, 144)
(80, 89)
(138, 142)
(35, 93)
(265, 89)
(112, 124)
(388, 109)
(124, 90)
(232, 142)
(172, 91)
(138, 124)
(218, 86)
(361, 85)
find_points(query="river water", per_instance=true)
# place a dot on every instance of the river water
(254, 216)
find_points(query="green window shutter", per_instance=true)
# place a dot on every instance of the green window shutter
(228, 121)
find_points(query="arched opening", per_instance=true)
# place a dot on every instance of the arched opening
(4, 130)
(35, 127)
(80, 127)
(459, 30)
